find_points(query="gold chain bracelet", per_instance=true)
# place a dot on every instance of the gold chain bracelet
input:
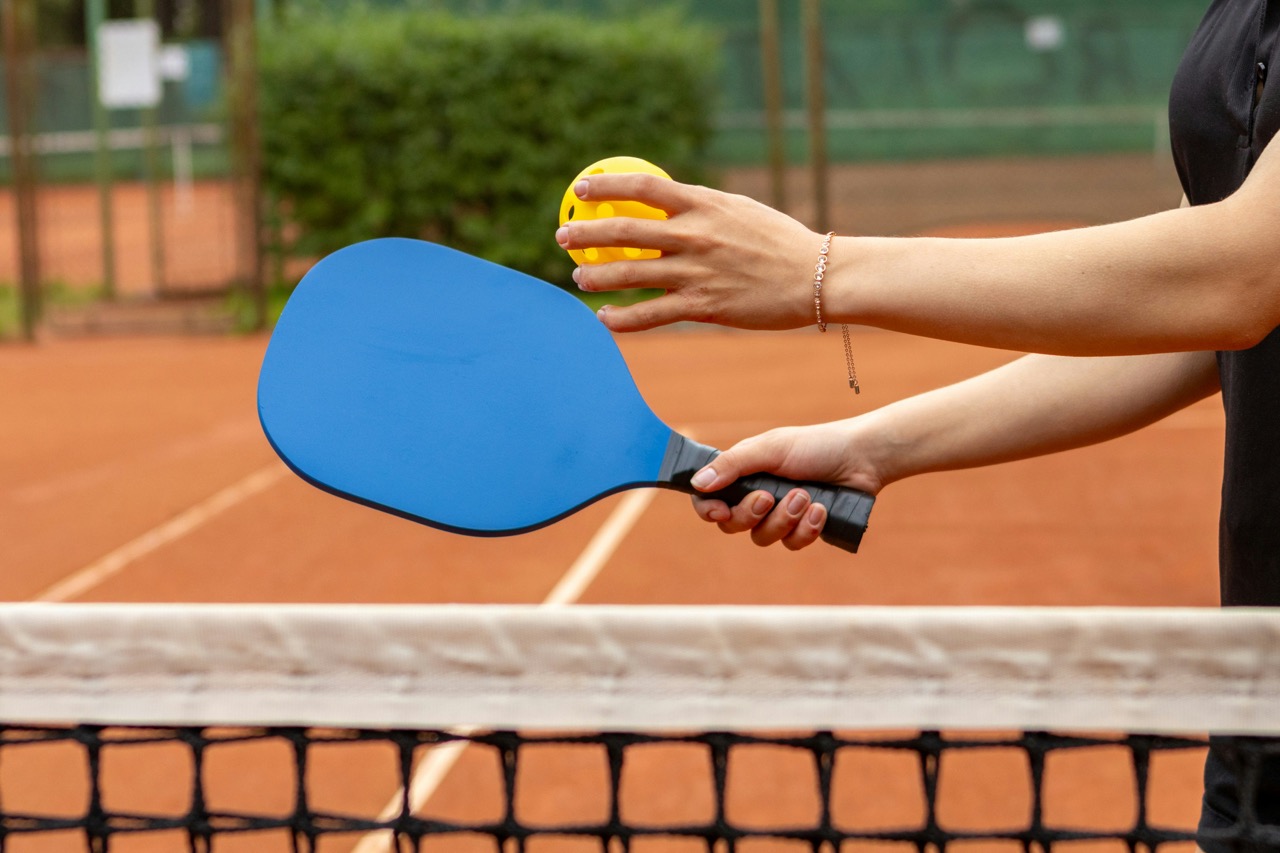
(819, 273)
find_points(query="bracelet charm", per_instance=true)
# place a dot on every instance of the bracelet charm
(819, 273)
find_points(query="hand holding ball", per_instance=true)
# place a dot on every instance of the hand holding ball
(574, 209)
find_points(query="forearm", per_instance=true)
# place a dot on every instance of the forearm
(1181, 280)
(1202, 278)
(1036, 405)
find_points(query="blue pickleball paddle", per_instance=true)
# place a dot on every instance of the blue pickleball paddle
(431, 384)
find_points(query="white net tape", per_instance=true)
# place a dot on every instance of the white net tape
(656, 668)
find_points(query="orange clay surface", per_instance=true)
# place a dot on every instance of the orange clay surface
(196, 237)
(104, 442)
(134, 470)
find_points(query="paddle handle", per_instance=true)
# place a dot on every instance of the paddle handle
(847, 509)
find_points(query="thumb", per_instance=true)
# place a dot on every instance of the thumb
(749, 456)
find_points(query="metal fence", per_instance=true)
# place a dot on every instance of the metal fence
(159, 202)
(128, 204)
(871, 81)
(932, 78)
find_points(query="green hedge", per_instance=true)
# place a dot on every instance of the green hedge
(467, 130)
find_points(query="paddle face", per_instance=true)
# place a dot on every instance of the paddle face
(441, 387)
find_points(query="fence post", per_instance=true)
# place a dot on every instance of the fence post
(771, 66)
(95, 14)
(18, 20)
(246, 149)
(815, 66)
(151, 168)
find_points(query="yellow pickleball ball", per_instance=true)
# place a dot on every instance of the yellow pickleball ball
(573, 209)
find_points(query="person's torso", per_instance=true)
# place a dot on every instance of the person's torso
(1221, 117)
(1222, 114)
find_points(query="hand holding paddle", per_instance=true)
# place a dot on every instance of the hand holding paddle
(839, 451)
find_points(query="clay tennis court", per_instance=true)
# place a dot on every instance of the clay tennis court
(133, 469)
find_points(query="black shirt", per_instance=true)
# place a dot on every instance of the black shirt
(1221, 116)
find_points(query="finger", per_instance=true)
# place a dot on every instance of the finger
(629, 231)
(783, 520)
(808, 530)
(643, 315)
(713, 511)
(749, 513)
(629, 275)
(655, 191)
(764, 452)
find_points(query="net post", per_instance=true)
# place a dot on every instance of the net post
(17, 19)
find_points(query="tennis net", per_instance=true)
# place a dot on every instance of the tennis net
(504, 728)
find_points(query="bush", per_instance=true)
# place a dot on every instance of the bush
(467, 130)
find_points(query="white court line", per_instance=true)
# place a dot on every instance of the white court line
(601, 547)
(436, 765)
(177, 527)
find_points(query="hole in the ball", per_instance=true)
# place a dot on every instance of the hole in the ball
(572, 208)
(592, 254)
(632, 253)
(604, 211)
(596, 171)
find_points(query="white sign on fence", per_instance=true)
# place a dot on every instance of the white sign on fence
(129, 64)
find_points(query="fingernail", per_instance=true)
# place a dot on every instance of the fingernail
(761, 504)
(719, 514)
(562, 235)
(580, 189)
(797, 502)
(817, 513)
(600, 315)
(703, 478)
(576, 272)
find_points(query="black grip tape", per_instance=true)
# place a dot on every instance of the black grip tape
(848, 510)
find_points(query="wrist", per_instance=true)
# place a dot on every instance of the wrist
(819, 276)
(839, 297)
(884, 448)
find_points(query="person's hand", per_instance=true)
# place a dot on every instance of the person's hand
(829, 453)
(727, 259)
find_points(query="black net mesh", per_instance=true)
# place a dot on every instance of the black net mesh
(79, 784)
